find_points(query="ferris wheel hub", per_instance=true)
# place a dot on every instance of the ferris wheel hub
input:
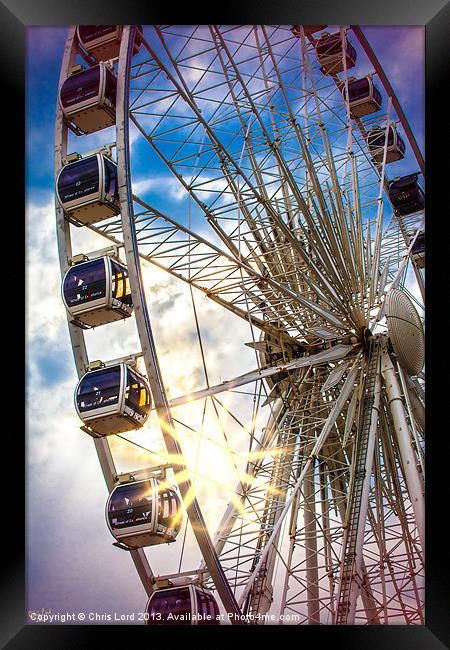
(365, 337)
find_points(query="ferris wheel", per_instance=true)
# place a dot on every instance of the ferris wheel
(280, 139)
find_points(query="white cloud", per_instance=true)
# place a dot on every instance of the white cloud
(66, 491)
(162, 185)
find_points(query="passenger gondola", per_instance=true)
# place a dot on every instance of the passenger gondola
(96, 292)
(406, 195)
(102, 42)
(144, 513)
(329, 53)
(418, 250)
(363, 96)
(88, 99)
(182, 605)
(87, 189)
(395, 146)
(112, 400)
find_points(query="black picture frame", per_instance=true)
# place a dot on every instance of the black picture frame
(15, 17)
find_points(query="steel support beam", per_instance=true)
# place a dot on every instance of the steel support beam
(409, 459)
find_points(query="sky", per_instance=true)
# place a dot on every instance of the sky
(71, 563)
